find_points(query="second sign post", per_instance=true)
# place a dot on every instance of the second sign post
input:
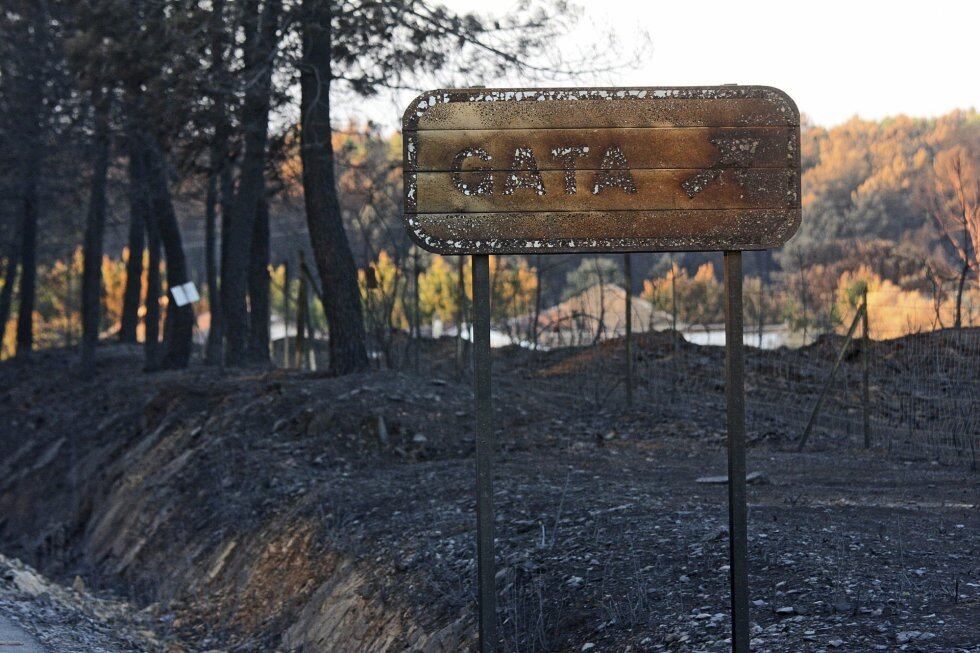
(539, 171)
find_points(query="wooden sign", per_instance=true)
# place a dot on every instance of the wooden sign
(508, 171)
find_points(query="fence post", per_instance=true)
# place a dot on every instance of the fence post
(735, 420)
(865, 390)
(416, 341)
(486, 587)
(628, 273)
(830, 380)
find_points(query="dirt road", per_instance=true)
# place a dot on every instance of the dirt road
(14, 639)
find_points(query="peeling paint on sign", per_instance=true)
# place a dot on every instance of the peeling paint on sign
(564, 170)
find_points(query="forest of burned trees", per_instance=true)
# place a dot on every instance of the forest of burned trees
(149, 108)
(147, 143)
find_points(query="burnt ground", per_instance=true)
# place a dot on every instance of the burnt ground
(272, 510)
(37, 615)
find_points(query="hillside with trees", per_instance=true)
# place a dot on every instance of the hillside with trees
(216, 162)
(881, 202)
(137, 120)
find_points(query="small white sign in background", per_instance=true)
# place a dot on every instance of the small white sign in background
(185, 294)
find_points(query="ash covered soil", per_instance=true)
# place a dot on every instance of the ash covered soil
(38, 615)
(288, 511)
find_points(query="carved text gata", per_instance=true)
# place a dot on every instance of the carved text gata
(522, 171)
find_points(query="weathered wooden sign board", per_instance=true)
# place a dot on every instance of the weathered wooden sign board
(507, 171)
(538, 171)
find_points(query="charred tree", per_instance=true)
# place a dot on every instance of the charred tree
(94, 233)
(331, 249)
(139, 214)
(955, 206)
(28, 261)
(259, 300)
(7, 293)
(219, 191)
(29, 199)
(154, 289)
(154, 281)
(260, 48)
(302, 314)
(30, 88)
(212, 352)
(179, 320)
(135, 243)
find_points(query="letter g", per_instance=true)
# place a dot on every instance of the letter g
(485, 184)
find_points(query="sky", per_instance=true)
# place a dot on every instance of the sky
(836, 58)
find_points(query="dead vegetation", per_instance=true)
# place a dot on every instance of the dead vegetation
(265, 511)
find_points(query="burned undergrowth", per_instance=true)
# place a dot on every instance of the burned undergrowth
(276, 510)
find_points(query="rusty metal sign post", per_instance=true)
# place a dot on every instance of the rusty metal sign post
(574, 170)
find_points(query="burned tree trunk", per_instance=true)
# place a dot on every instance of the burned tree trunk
(154, 288)
(139, 210)
(334, 260)
(258, 285)
(260, 47)
(28, 261)
(219, 178)
(964, 272)
(955, 204)
(226, 188)
(179, 322)
(30, 143)
(94, 232)
(537, 302)
(302, 314)
(135, 245)
(28, 227)
(7, 293)
(212, 353)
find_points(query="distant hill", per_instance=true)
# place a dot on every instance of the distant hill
(864, 179)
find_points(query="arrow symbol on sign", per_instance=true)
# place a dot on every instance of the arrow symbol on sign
(736, 151)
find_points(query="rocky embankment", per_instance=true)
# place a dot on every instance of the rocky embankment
(37, 615)
(209, 502)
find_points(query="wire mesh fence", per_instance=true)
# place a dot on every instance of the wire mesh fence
(923, 389)
(922, 399)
